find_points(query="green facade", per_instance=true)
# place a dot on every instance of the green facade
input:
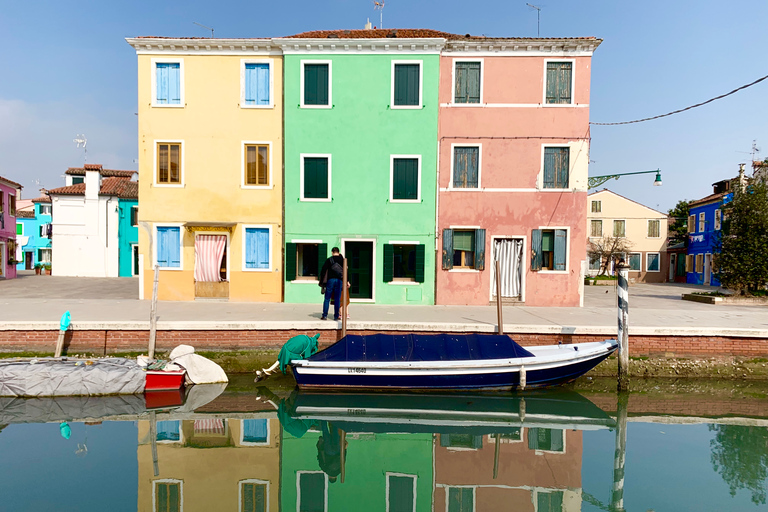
(371, 199)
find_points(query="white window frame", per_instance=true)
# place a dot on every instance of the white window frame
(168, 60)
(648, 225)
(49, 206)
(135, 247)
(248, 443)
(298, 489)
(42, 260)
(613, 225)
(448, 491)
(590, 228)
(453, 82)
(330, 83)
(228, 246)
(567, 249)
(242, 164)
(305, 242)
(573, 84)
(465, 228)
(183, 163)
(597, 202)
(386, 487)
(702, 222)
(302, 156)
(270, 63)
(252, 481)
(718, 219)
(658, 254)
(542, 452)
(271, 247)
(168, 481)
(540, 179)
(392, 159)
(179, 225)
(641, 261)
(479, 147)
(392, 105)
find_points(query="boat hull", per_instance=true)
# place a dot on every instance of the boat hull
(164, 380)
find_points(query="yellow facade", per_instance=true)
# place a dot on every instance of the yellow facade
(211, 124)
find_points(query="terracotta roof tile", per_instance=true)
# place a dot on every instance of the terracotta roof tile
(11, 183)
(710, 198)
(25, 214)
(119, 187)
(107, 173)
(380, 33)
(42, 199)
(72, 190)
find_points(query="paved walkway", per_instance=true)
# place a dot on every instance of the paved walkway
(37, 302)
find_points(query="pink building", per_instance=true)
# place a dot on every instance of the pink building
(512, 169)
(9, 192)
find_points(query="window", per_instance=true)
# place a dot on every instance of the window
(401, 493)
(689, 263)
(44, 256)
(135, 259)
(405, 178)
(134, 215)
(168, 163)
(256, 165)
(11, 205)
(168, 86)
(699, 263)
(549, 501)
(404, 262)
(464, 248)
(654, 228)
(718, 219)
(2, 203)
(168, 247)
(168, 496)
(303, 261)
(316, 84)
(313, 490)
(549, 249)
(461, 499)
(620, 228)
(702, 223)
(635, 261)
(652, 262)
(597, 206)
(255, 431)
(556, 167)
(256, 84)
(78, 179)
(594, 263)
(256, 249)
(168, 431)
(596, 228)
(546, 439)
(468, 441)
(316, 177)
(45, 209)
(691, 223)
(253, 496)
(467, 86)
(559, 83)
(406, 84)
(465, 168)
(19, 229)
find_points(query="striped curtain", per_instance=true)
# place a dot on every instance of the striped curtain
(210, 426)
(509, 254)
(209, 251)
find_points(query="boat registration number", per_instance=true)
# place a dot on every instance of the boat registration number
(355, 370)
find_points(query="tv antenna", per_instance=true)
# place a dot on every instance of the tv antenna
(80, 140)
(538, 18)
(206, 28)
(379, 6)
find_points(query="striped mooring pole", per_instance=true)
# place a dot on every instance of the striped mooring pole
(623, 338)
(620, 454)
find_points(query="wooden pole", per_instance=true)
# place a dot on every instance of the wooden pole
(496, 457)
(63, 326)
(498, 299)
(623, 318)
(153, 316)
(344, 300)
(343, 436)
(153, 441)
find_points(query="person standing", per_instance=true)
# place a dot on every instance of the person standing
(330, 280)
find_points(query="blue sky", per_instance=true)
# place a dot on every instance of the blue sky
(66, 69)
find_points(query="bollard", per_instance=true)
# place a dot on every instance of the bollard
(620, 454)
(623, 334)
(522, 378)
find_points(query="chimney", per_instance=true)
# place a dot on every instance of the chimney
(92, 183)
(368, 25)
(742, 179)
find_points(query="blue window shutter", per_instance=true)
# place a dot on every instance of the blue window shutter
(161, 82)
(174, 83)
(250, 85)
(262, 84)
(250, 248)
(466, 167)
(162, 247)
(560, 246)
(549, 167)
(536, 258)
(174, 247)
(480, 249)
(255, 431)
(447, 249)
(262, 248)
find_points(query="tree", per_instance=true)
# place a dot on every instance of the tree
(741, 246)
(607, 248)
(739, 454)
(678, 231)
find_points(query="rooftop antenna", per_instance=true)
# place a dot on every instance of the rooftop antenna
(81, 140)
(755, 149)
(538, 18)
(206, 28)
(380, 7)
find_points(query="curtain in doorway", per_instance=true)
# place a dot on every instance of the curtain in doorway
(209, 251)
(509, 254)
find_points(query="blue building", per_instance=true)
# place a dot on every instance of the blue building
(705, 219)
(33, 234)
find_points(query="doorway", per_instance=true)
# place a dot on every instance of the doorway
(211, 267)
(707, 269)
(360, 260)
(509, 253)
(672, 264)
(29, 263)
(134, 260)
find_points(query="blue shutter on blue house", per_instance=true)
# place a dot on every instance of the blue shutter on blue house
(257, 84)
(257, 248)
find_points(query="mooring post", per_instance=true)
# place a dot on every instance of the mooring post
(623, 317)
(620, 454)
(498, 299)
(153, 442)
(344, 299)
(153, 316)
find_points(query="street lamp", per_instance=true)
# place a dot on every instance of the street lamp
(596, 181)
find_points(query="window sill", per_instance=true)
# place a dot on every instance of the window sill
(305, 281)
(257, 187)
(304, 200)
(465, 270)
(464, 189)
(327, 107)
(169, 185)
(158, 105)
(263, 270)
(406, 107)
(405, 201)
(170, 268)
(543, 271)
(403, 283)
(258, 107)
(558, 105)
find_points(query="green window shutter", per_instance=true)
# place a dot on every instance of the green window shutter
(550, 166)
(421, 257)
(290, 262)
(316, 84)
(447, 249)
(405, 179)
(466, 167)
(536, 259)
(389, 262)
(561, 237)
(407, 84)
(563, 166)
(479, 249)
(19, 228)
(551, 82)
(322, 255)
(556, 167)
(559, 82)
(467, 82)
(316, 178)
(564, 92)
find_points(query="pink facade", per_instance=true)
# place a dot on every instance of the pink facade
(512, 126)
(9, 192)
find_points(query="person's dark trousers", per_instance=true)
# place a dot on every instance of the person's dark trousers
(332, 289)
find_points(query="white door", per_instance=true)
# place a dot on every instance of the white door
(509, 253)
(672, 265)
(707, 269)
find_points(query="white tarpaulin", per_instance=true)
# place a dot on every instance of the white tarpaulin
(199, 369)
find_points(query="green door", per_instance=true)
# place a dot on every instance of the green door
(360, 269)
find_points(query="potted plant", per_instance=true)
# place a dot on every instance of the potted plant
(38, 268)
(47, 269)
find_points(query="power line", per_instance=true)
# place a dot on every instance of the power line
(686, 108)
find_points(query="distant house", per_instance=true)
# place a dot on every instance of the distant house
(9, 192)
(33, 234)
(94, 223)
(612, 215)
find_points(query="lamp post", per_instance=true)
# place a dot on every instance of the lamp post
(596, 181)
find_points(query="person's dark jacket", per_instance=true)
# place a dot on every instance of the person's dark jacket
(331, 271)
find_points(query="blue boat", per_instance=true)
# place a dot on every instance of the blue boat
(445, 362)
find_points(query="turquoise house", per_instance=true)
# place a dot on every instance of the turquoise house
(128, 232)
(33, 234)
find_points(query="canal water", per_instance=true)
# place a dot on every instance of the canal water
(666, 446)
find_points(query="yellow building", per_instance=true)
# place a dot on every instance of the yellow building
(210, 168)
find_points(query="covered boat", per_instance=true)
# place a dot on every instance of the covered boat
(445, 361)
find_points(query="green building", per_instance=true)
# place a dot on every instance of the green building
(360, 155)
